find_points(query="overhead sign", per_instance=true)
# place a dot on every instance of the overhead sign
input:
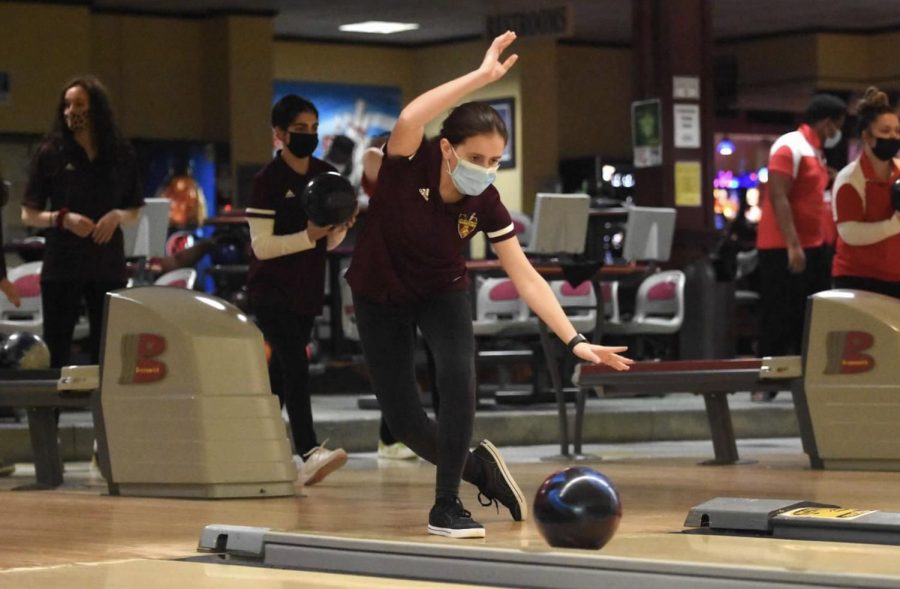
(553, 22)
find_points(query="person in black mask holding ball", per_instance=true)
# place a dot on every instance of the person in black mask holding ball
(865, 210)
(286, 281)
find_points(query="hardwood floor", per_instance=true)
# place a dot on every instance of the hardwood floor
(368, 499)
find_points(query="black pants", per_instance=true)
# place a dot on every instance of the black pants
(288, 335)
(891, 289)
(388, 340)
(61, 302)
(384, 432)
(783, 297)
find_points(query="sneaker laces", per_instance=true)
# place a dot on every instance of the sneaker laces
(460, 510)
(486, 501)
(316, 449)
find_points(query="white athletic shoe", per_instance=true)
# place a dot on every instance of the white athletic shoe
(319, 463)
(395, 451)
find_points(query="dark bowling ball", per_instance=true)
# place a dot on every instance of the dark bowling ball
(226, 253)
(241, 299)
(577, 508)
(329, 199)
(24, 351)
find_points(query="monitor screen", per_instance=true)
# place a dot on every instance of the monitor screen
(560, 224)
(648, 234)
(148, 237)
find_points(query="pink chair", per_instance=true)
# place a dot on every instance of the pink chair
(500, 311)
(29, 316)
(579, 303)
(659, 306)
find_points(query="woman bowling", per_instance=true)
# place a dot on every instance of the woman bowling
(408, 269)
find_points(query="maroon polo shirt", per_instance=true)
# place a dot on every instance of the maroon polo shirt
(295, 282)
(62, 176)
(412, 244)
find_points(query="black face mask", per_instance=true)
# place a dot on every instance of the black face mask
(302, 144)
(885, 149)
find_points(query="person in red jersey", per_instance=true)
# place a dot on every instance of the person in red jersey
(408, 269)
(868, 224)
(286, 281)
(793, 257)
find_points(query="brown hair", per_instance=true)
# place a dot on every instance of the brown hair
(872, 105)
(106, 132)
(472, 118)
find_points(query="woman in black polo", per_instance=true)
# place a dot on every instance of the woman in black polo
(408, 268)
(84, 174)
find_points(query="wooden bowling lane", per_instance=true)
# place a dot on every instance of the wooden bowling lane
(390, 501)
(151, 574)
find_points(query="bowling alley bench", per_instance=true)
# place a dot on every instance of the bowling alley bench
(714, 379)
(845, 387)
(41, 393)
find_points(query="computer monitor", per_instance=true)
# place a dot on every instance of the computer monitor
(560, 224)
(648, 234)
(148, 237)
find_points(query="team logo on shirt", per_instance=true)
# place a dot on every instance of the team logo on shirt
(70, 167)
(466, 225)
(424, 192)
(289, 194)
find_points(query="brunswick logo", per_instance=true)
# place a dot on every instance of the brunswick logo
(139, 351)
(845, 352)
(466, 225)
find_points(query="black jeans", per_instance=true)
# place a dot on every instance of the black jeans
(388, 340)
(891, 289)
(61, 303)
(783, 297)
(384, 432)
(288, 335)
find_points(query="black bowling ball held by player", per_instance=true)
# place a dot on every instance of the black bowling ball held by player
(329, 200)
(577, 507)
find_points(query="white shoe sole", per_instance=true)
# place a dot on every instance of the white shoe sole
(507, 476)
(327, 468)
(458, 534)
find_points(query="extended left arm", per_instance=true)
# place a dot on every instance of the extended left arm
(535, 291)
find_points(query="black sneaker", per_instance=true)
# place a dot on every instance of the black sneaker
(449, 518)
(498, 484)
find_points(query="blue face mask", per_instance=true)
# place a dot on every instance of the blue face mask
(470, 178)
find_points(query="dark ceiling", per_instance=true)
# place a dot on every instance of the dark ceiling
(594, 21)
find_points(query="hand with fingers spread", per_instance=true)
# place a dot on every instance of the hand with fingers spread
(608, 355)
(492, 67)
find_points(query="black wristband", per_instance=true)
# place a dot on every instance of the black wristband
(578, 339)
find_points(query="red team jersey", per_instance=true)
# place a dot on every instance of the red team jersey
(412, 243)
(860, 196)
(798, 155)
